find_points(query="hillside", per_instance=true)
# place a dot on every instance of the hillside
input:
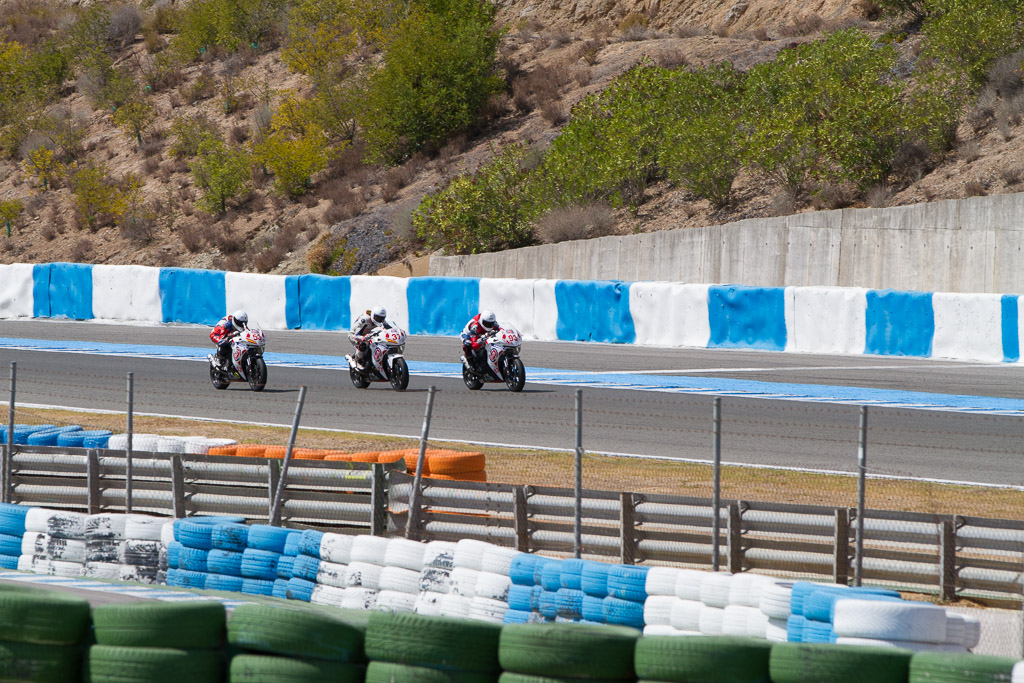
(355, 217)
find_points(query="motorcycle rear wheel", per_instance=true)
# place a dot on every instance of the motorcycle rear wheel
(217, 379)
(359, 380)
(400, 374)
(515, 374)
(471, 380)
(257, 374)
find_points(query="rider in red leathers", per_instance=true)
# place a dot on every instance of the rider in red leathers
(224, 331)
(479, 327)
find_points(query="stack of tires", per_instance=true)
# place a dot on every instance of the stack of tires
(627, 593)
(661, 596)
(435, 577)
(188, 555)
(569, 596)
(49, 436)
(548, 576)
(87, 438)
(41, 635)
(810, 620)
(285, 565)
(414, 647)
(594, 582)
(305, 564)
(140, 442)
(490, 599)
(123, 547)
(915, 626)
(53, 543)
(532, 653)
(466, 564)
(523, 593)
(774, 603)
(362, 575)
(712, 658)
(12, 530)
(334, 553)
(224, 560)
(22, 432)
(264, 549)
(158, 641)
(297, 645)
(400, 578)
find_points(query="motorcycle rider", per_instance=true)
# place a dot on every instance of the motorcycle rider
(479, 327)
(364, 326)
(224, 331)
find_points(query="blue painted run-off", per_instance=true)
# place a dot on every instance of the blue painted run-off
(192, 296)
(747, 317)
(441, 305)
(674, 383)
(594, 311)
(323, 302)
(899, 323)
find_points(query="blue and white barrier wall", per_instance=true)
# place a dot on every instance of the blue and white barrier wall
(829, 320)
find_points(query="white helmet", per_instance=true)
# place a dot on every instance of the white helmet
(239, 319)
(379, 315)
(488, 320)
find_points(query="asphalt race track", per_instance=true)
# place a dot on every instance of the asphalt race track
(944, 444)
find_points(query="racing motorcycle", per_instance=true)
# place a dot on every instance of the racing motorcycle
(246, 361)
(503, 364)
(387, 364)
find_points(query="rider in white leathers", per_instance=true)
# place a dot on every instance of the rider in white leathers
(364, 326)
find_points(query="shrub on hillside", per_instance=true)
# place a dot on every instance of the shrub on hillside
(189, 132)
(576, 223)
(970, 35)
(220, 172)
(96, 195)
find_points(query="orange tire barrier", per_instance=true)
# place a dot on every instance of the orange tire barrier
(275, 451)
(223, 450)
(479, 475)
(338, 457)
(456, 462)
(249, 450)
(308, 453)
(408, 454)
(369, 456)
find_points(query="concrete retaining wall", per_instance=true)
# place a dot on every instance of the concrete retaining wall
(967, 245)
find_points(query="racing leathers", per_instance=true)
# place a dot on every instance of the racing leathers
(362, 329)
(473, 336)
(223, 332)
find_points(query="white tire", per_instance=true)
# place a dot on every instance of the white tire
(714, 589)
(405, 554)
(363, 575)
(167, 532)
(972, 631)
(101, 570)
(661, 581)
(336, 548)
(685, 615)
(914, 621)
(904, 644)
(735, 618)
(331, 574)
(739, 589)
(145, 527)
(456, 606)
(710, 621)
(142, 553)
(658, 609)
(435, 580)
(399, 580)
(105, 525)
(688, 584)
(662, 630)
(144, 442)
(57, 523)
(137, 573)
(59, 568)
(1017, 674)
(395, 601)
(357, 597)
(463, 581)
(328, 595)
(369, 549)
(774, 600)
(26, 563)
(486, 609)
(498, 560)
(47, 547)
(492, 586)
(775, 631)
(439, 554)
(105, 550)
(757, 623)
(169, 444)
(428, 604)
(469, 553)
(117, 442)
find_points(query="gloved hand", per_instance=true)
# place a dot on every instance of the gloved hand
(476, 344)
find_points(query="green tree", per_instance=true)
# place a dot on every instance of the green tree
(221, 172)
(135, 116)
(44, 165)
(971, 34)
(292, 159)
(485, 211)
(96, 195)
(10, 209)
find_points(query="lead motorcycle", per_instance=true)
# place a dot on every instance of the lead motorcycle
(503, 364)
(246, 363)
(387, 362)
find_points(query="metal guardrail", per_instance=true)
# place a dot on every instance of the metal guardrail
(950, 556)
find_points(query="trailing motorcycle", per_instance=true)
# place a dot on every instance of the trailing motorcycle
(246, 362)
(386, 362)
(502, 359)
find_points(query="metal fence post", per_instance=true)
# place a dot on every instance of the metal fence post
(5, 473)
(92, 479)
(716, 485)
(841, 547)
(273, 476)
(627, 528)
(577, 518)
(378, 502)
(862, 472)
(947, 559)
(520, 519)
(177, 487)
(128, 447)
(734, 539)
(275, 509)
(413, 518)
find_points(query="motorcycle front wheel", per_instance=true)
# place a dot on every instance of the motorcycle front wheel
(515, 374)
(400, 374)
(257, 374)
(359, 381)
(471, 380)
(217, 378)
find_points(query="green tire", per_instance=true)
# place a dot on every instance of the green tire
(433, 642)
(509, 677)
(113, 664)
(710, 659)
(40, 663)
(270, 669)
(389, 672)
(569, 650)
(813, 663)
(42, 616)
(946, 667)
(176, 625)
(335, 635)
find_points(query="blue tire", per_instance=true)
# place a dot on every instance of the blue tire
(592, 609)
(280, 589)
(795, 628)
(174, 555)
(191, 579)
(515, 616)
(225, 562)
(627, 582)
(284, 567)
(551, 576)
(624, 612)
(233, 537)
(97, 438)
(266, 537)
(257, 587)
(817, 632)
(522, 568)
(569, 603)
(259, 564)
(309, 543)
(194, 535)
(292, 545)
(594, 579)
(223, 582)
(71, 439)
(305, 567)
(548, 604)
(9, 561)
(193, 559)
(300, 589)
(212, 520)
(520, 598)
(569, 577)
(12, 519)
